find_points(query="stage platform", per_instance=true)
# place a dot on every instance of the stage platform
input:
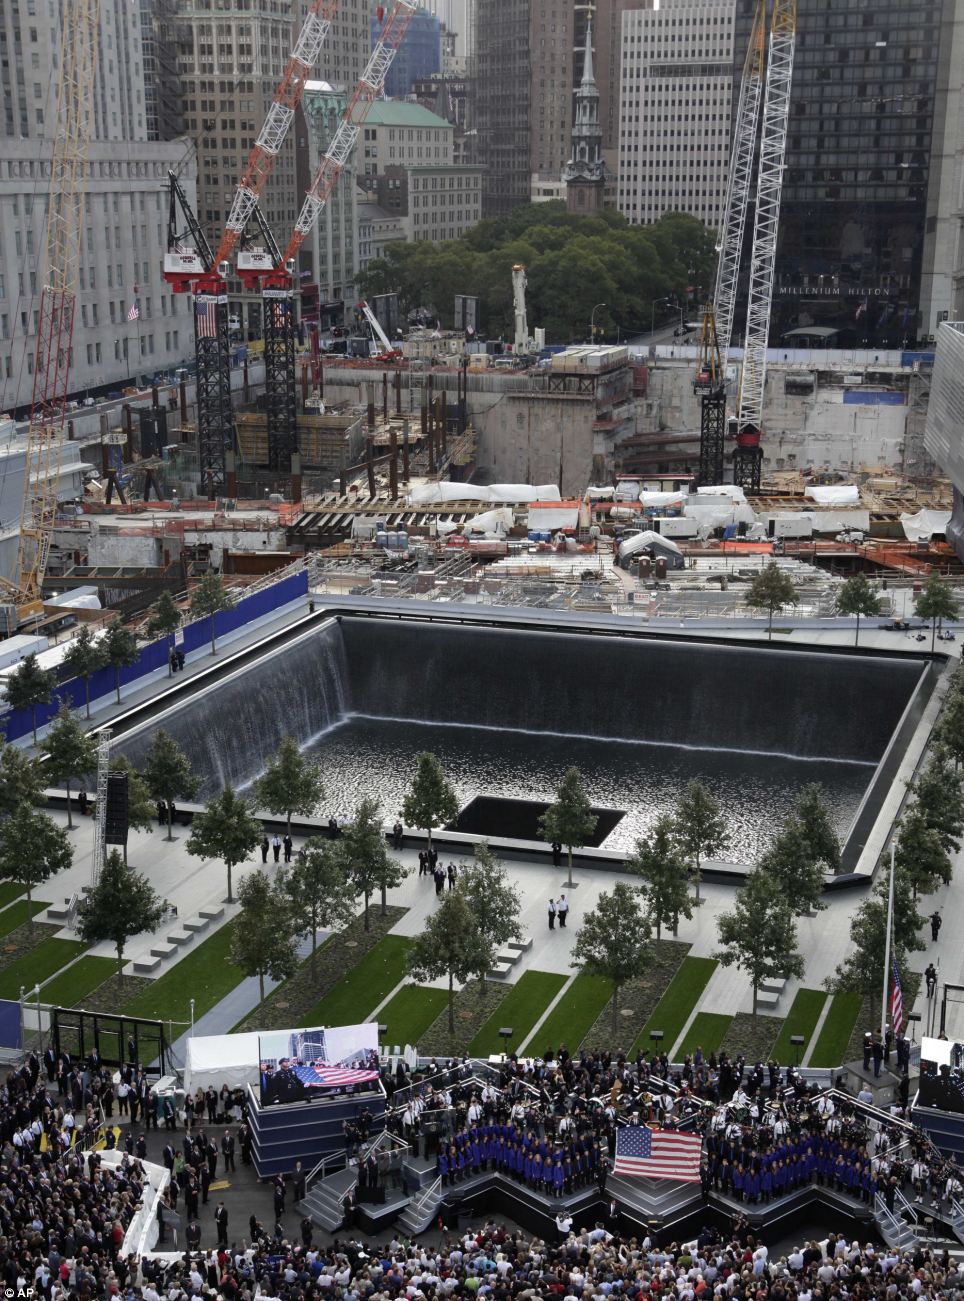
(285, 1133)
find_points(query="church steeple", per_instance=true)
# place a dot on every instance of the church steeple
(585, 173)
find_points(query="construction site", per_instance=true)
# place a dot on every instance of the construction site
(653, 480)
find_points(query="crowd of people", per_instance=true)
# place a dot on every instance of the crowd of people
(548, 1123)
(504, 1263)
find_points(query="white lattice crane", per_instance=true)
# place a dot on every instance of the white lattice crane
(80, 28)
(732, 228)
(747, 457)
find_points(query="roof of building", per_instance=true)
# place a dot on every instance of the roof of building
(397, 112)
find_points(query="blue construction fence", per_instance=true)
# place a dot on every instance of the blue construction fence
(196, 635)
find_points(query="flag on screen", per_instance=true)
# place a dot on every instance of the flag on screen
(657, 1153)
(896, 1002)
(206, 318)
(319, 1075)
(135, 311)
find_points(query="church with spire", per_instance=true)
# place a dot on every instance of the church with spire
(585, 175)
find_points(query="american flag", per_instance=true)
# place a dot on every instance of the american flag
(320, 1076)
(206, 317)
(896, 1002)
(657, 1153)
(135, 311)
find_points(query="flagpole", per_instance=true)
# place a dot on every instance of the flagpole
(890, 922)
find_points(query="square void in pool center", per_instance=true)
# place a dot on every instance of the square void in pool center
(490, 815)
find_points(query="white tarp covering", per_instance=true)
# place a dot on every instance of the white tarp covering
(837, 494)
(922, 526)
(716, 512)
(835, 521)
(731, 490)
(598, 494)
(490, 521)
(524, 492)
(640, 541)
(217, 1059)
(648, 498)
(544, 519)
(429, 494)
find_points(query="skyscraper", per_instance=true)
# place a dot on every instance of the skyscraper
(124, 235)
(420, 54)
(854, 206)
(674, 111)
(501, 97)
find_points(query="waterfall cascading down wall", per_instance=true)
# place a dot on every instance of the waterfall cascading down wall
(720, 697)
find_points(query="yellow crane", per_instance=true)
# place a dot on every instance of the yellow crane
(20, 598)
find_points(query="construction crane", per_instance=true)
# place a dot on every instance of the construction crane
(710, 386)
(80, 28)
(730, 248)
(748, 456)
(389, 352)
(277, 280)
(205, 273)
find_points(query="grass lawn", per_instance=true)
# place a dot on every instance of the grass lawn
(17, 914)
(410, 1013)
(41, 962)
(206, 974)
(574, 1015)
(831, 1046)
(521, 1008)
(801, 1019)
(358, 993)
(673, 1009)
(68, 990)
(706, 1032)
(9, 890)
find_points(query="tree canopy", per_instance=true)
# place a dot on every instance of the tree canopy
(49, 852)
(659, 862)
(70, 752)
(814, 816)
(771, 590)
(208, 599)
(83, 658)
(700, 827)
(120, 650)
(935, 601)
(611, 942)
(791, 862)
(28, 686)
(572, 262)
(366, 855)
(493, 899)
(168, 773)
(431, 802)
(21, 781)
(759, 934)
(320, 889)
(121, 905)
(265, 940)
(450, 945)
(226, 829)
(856, 596)
(570, 821)
(290, 783)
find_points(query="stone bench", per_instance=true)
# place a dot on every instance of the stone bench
(180, 937)
(163, 950)
(521, 946)
(499, 971)
(145, 966)
(56, 913)
(511, 956)
(196, 924)
(211, 914)
(775, 985)
(767, 999)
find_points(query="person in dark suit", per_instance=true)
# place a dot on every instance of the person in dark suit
(221, 1222)
(284, 1085)
(227, 1150)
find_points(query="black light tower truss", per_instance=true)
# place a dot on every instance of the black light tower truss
(280, 388)
(747, 469)
(215, 418)
(712, 436)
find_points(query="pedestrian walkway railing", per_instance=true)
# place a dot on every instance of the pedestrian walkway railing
(957, 1218)
(895, 1230)
(424, 1202)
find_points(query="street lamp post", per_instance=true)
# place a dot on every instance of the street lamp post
(657, 302)
(592, 322)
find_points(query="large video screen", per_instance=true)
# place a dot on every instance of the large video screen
(941, 1075)
(301, 1065)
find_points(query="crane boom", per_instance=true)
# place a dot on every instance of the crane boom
(80, 27)
(278, 119)
(766, 223)
(738, 183)
(368, 88)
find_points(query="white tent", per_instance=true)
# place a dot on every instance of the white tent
(217, 1059)
(922, 526)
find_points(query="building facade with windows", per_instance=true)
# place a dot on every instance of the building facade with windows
(333, 243)
(419, 55)
(124, 234)
(676, 91)
(864, 123)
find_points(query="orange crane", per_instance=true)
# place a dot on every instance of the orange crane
(21, 596)
(277, 277)
(205, 274)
